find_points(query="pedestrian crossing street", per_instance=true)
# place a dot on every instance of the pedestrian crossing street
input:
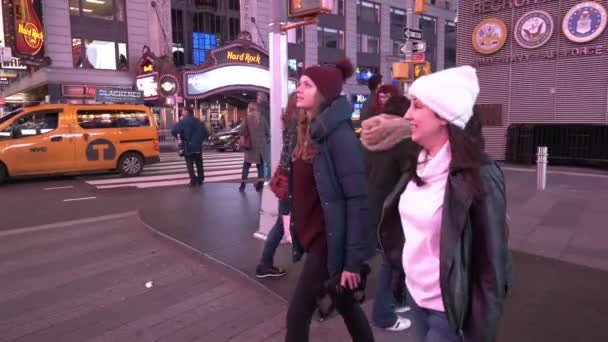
(172, 171)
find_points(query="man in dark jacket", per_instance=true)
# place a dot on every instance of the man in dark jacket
(369, 107)
(192, 134)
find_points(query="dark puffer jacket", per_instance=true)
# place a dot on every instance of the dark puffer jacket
(340, 177)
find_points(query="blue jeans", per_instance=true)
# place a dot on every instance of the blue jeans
(245, 172)
(274, 236)
(432, 325)
(383, 311)
(266, 154)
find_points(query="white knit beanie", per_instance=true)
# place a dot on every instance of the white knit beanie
(450, 93)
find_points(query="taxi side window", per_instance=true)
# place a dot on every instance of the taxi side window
(35, 124)
(99, 119)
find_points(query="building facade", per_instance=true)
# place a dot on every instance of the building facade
(539, 62)
(88, 44)
(202, 25)
(370, 33)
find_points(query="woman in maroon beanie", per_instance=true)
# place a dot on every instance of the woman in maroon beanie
(329, 203)
(385, 92)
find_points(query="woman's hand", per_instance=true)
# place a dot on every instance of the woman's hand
(350, 280)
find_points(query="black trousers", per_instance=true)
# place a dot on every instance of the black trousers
(195, 159)
(303, 304)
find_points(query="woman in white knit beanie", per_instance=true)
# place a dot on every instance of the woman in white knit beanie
(445, 221)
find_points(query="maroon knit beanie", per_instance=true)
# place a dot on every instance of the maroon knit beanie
(330, 78)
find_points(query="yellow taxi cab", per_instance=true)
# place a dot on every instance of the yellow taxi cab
(66, 139)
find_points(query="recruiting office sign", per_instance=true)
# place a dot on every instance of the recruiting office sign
(112, 95)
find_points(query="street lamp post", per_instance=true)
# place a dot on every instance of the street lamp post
(277, 50)
(278, 87)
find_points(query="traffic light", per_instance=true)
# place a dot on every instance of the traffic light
(420, 6)
(310, 8)
(408, 71)
(401, 71)
(421, 69)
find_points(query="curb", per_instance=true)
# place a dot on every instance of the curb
(211, 258)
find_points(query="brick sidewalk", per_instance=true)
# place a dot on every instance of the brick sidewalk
(87, 282)
(566, 222)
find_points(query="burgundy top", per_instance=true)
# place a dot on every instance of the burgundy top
(307, 211)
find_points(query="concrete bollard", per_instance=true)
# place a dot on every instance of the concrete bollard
(542, 156)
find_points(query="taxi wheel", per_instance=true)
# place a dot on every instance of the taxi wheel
(3, 174)
(131, 164)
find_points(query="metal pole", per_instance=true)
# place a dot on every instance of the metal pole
(541, 167)
(277, 50)
(412, 21)
(278, 91)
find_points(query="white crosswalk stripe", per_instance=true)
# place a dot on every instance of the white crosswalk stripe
(172, 171)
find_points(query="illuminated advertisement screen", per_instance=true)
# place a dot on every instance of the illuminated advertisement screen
(200, 83)
(148, 84)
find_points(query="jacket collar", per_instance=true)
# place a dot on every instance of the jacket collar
(337, 112)
(457, 193)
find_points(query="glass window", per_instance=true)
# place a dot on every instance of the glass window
(99, 54)
(99, 119)
(120, 10)
(35, 124)
(123, 61)
(445, 4)
(338, 7)
(177, 25)
(368, 11)
(397, 45)
(204, 4)
(398, 22)
(450, 45)
(178, 54)
(368, 44)
(234, 28)
(234, 5)
(330, 38)
(74, 7)
(201, 44)
(98, 8)
(294, 68)
(103, 9)
(296, 36)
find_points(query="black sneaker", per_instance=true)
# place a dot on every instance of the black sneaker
(263, 271)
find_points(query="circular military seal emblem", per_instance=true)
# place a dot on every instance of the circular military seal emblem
(585, 22)
(534, 29)
(489, 36)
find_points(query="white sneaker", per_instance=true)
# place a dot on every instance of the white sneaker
(403, 309)
(400, 325)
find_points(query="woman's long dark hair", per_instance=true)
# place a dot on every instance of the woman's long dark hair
(467, 147)
(291, 112)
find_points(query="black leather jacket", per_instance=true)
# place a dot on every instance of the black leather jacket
(475, 263)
